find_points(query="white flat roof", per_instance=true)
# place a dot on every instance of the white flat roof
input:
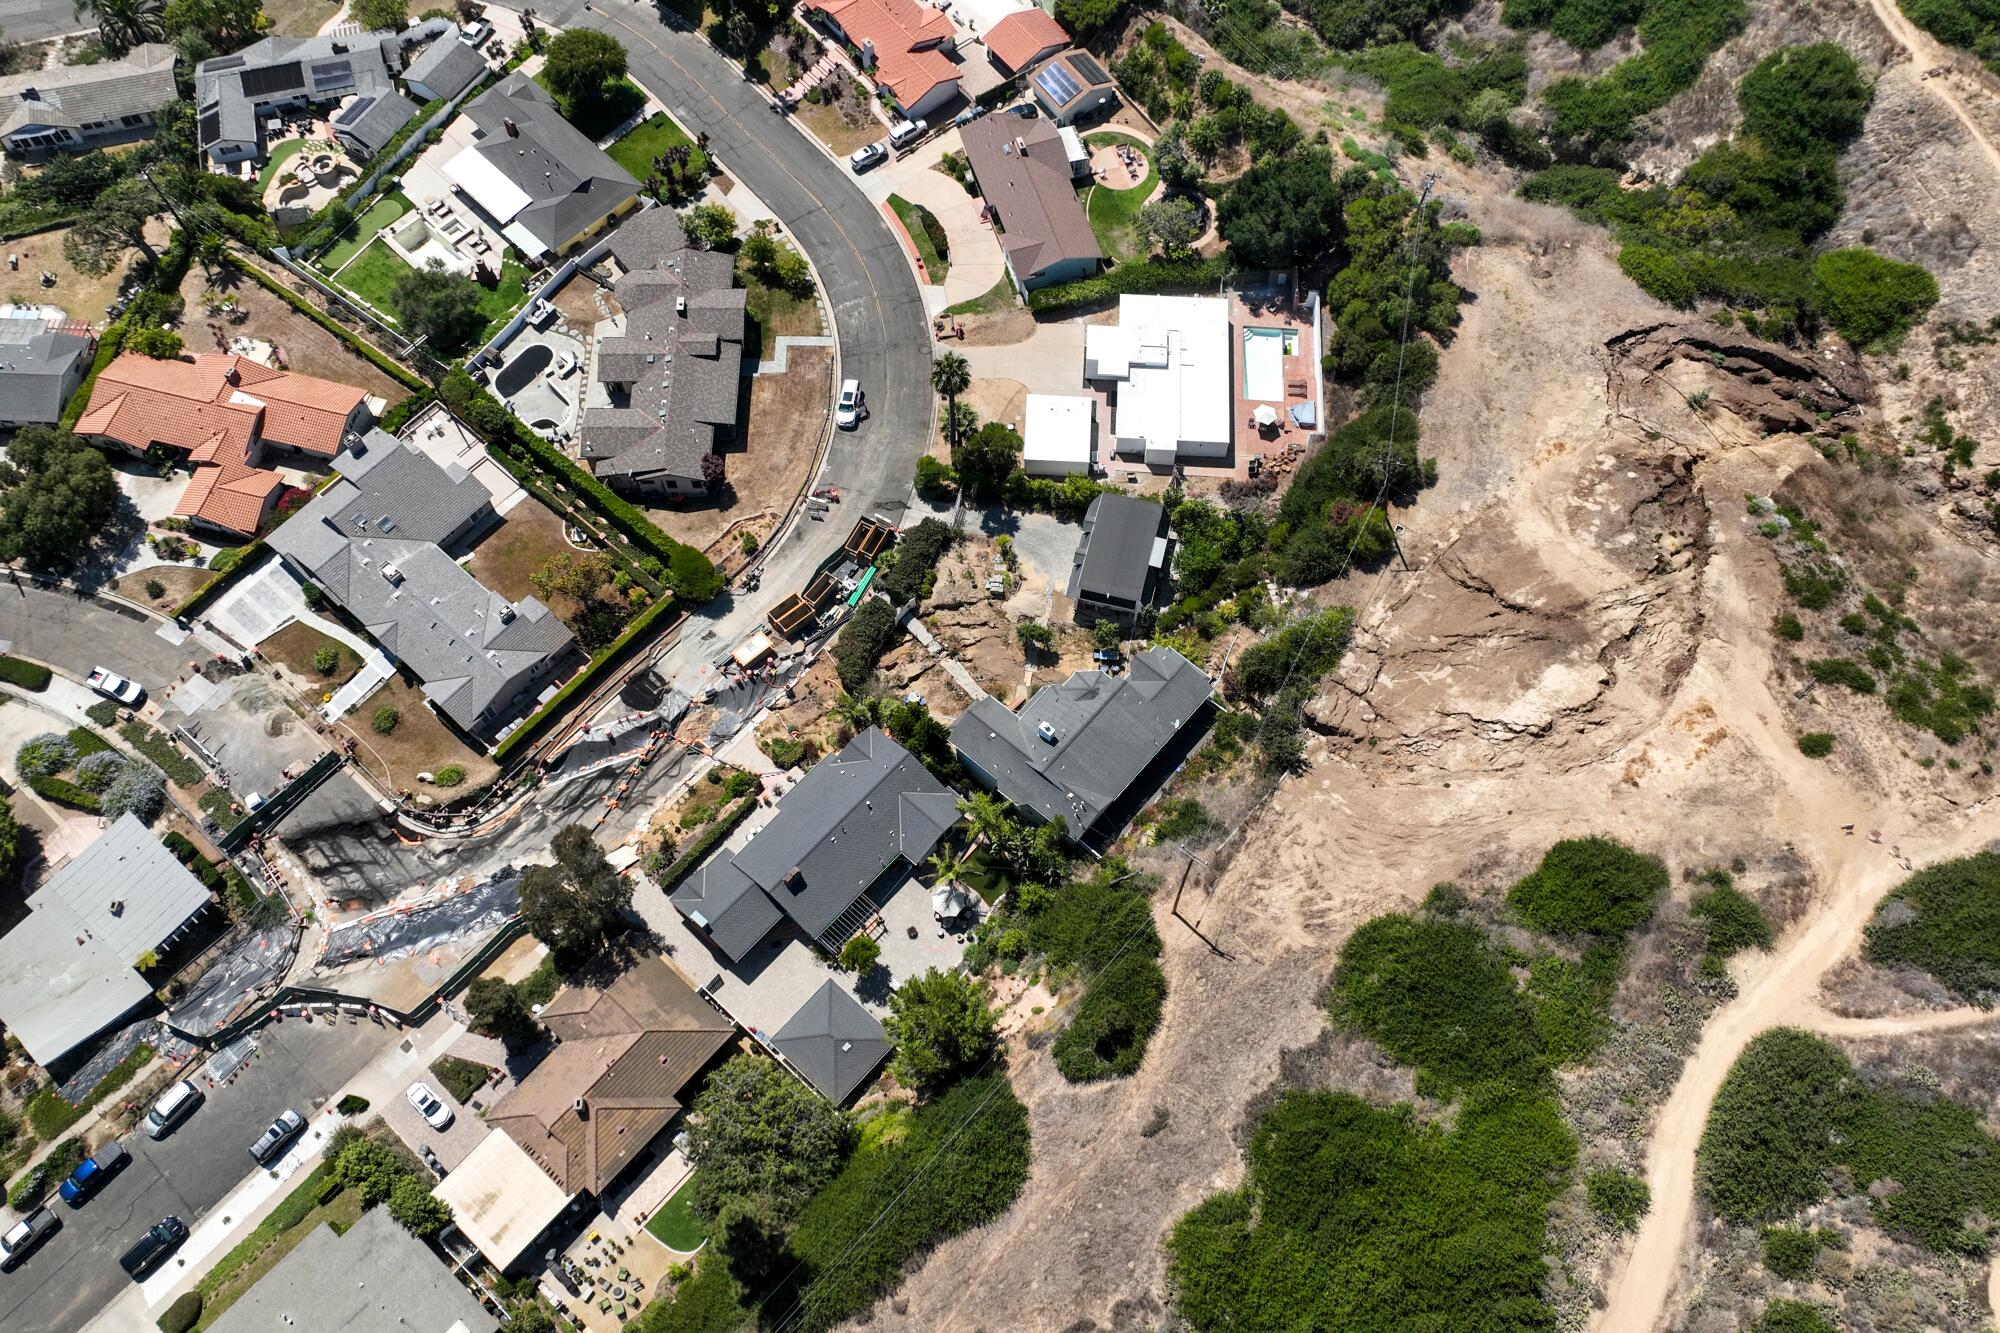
(469, 170)
(500, 1199)
(1170, 357)
(1058, 428)
(59, 986)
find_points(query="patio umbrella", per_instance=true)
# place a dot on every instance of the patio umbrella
(948, 900)
(1266, 415)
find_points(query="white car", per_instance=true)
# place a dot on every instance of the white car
(114, 686)
(852, 407)
(430, 1106)
(866, 156)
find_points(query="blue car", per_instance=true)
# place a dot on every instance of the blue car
(92, 1172)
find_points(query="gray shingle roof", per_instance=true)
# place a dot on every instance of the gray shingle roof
(1023, 172)
(59, 987)
(1115, 558)
(472, 648)
(372, 120)
(571, 183)
(680, 373)
(374, 1278)
(1108, 731)
(138, 83)
(126, 889)
(447, 67)
(847, 821)
(35, 369)
(834, 1042)
(230, 89)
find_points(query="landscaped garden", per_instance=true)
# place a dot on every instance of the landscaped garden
(651, 138)
(372, 275)
(674, 1224)
(1114, 214)
(927, 234)
(362, 230)
(776, 312)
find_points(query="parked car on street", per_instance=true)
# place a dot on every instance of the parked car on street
(161, 1239)
(866, 156)
(20, 1239)
(175, 1105)
(852, 408)
(92, 1172)
(114, 686)
(430, 1106)
(271, 1143)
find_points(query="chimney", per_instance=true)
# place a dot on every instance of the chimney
(868, 53)
(513, 130)
(582, 1111)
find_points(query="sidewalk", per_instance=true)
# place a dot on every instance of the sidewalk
(239, 1212)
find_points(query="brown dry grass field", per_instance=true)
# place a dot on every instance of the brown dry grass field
(178, 580)
(83, 298)
(421, 743)
(508, 556)
(293, 648)
(309, 349)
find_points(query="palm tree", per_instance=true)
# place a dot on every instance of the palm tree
(124, 24)
(951, 377)
(211, 252)
(985, 816)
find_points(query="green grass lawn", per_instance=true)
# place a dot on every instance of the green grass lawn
(674, 1224)
(912, 217)
(650, 138)
(500, 303)
(777, 313)
(1000, 296)
(356, 238)
(372, 276)
(274, 164)
(1114, 214)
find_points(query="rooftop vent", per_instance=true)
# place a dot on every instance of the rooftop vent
(582, 1111)
(118, 907)
(1045, 730)
(513, 130)
(395, 577)
(386, 523)
(507, 613)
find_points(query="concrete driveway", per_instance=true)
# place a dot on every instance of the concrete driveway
(1049, 362)
(76, 1272)
(878, 315)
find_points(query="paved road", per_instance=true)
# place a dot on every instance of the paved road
(32, 20)
(77, 633)
(75, 1273)
(878, 315)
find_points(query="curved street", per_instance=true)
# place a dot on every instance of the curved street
(878, 316)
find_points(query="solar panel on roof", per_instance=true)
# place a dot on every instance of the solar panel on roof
(331, 73)
(354, 112)
(1086, 65)
(1058, 83)
(211, 127)
(224, 62)
(272, 79)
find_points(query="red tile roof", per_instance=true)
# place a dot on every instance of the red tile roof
(1017, 39)
(218, 408)
(905, 35)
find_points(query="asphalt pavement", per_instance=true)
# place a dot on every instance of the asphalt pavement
(32, 20)
(75, 1273)
(878, 315)
(76, 633)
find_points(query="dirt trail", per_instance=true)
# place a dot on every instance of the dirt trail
(1927, 52)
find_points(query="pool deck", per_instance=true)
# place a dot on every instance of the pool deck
(542, 400)
(1280, 446)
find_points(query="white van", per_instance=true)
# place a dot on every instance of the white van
(903, 131)
(174, 1106)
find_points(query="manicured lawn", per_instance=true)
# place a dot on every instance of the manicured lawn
(499, 303)
(913, 216)
(372, 277)
(778, 313)
(1000, 296)
(650, 138)
(275, 163)
(356, 238)
(674, 1225)
(1114, 214)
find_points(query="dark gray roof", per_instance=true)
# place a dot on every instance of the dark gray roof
(138, 83)
(1108, 731)
(372, 120)
(374, 1278)
(848, 820)
(125, 889)
(571, 184)
(1122, 547)
(472, 648)
(230, 90)
(447, 67)
(680, 373)
(35, 369)
(724, 901)
(834, 1042)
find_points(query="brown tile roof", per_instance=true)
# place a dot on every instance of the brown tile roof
(1017, 39)
(625, 1053)
(1023, 172)
(905, 34)
(230, 494)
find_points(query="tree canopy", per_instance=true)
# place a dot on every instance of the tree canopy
(984, 459)
(1282, 211)
(578, 904)
(435, 303)
(942, 1026)
(582, 66)
(59, 494)
(758, 1133)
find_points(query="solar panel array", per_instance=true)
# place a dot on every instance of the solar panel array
(1060, 85)
(355, 111)
(331, 74)
(1086, 65)
(273, 79)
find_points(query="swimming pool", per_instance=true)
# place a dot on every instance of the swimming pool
(1264, 352)
(519, 373)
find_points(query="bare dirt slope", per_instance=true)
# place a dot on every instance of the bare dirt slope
(1582, 646)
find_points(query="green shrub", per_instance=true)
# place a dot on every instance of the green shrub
(104, 713)
(1659, 274)
(183, 1314)
(1869, 299)
(1145, 276)
(1108, 1031)
(1589, 886)
(45, 755)
(1791, 1252)
(66, 793)
(1735, 922)
(1784, 1316)
(1816, 744)
(1619, 1197)
(166, 756)
(385, 720)
(1844, 672)
(1945, 920)
(352, 1104)
(326, 659)
(1185, 819)
(784, 751)
(862, 641)
(87, 742)
(449, 776)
